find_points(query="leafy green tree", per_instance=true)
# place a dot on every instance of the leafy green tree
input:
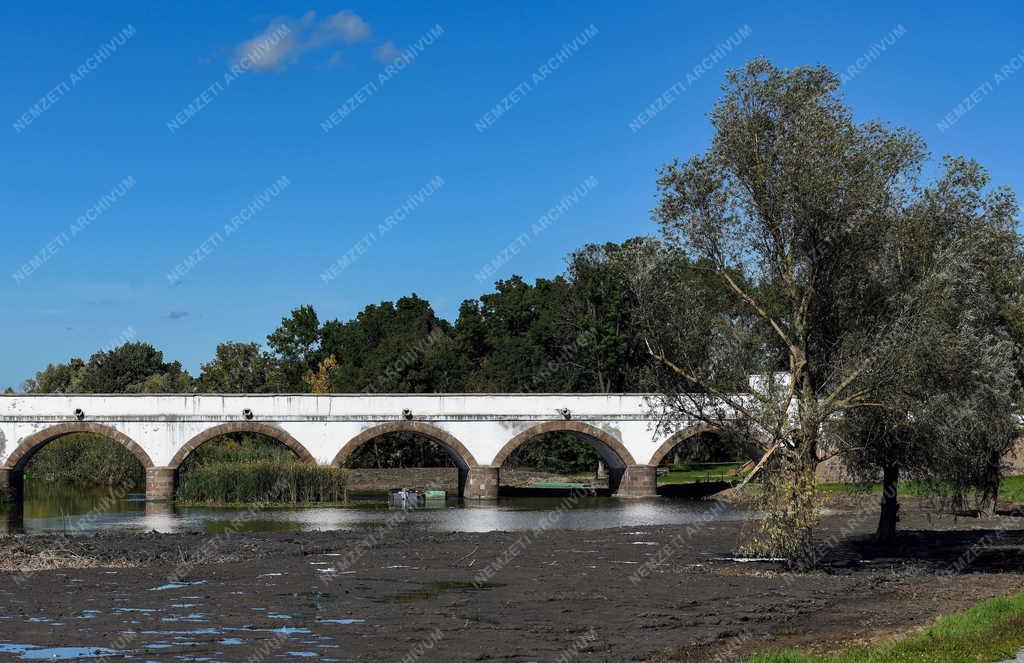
(388, 347)
(55, 378)
(130, 368)
(603, 312)
(511, 339)
(237, 368)
(296, 349)
(792, 194)
(605, 308)
(947, 411)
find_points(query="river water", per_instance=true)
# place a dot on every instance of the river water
(56, 507)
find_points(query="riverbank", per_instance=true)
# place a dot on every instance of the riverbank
(634, 593)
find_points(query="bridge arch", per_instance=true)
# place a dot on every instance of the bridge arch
(462, 456)
(30, 445)
(267, 430)
(678, 438)
(609, 447)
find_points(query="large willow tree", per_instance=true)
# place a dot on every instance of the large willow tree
(948, 409)
(798, 208)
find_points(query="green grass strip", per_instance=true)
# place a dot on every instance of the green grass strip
(990, 631)
(694, 472)
(1010, 490)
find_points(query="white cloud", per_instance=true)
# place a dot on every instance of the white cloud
(387, 52)
(272, 49)
(346, 25)
(286, 39)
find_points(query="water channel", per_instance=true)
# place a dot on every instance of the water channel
(61, 507)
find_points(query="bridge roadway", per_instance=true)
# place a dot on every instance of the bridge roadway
(479, 431)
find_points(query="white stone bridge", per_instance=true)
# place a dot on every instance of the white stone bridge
(479, 431)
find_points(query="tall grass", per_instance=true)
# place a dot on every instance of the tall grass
(262, 481)
(237, 448)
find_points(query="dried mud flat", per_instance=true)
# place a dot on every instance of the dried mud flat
(558, 595)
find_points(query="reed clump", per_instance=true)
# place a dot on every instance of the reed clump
(270, 481)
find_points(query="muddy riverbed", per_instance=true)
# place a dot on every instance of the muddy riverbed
(389, 592)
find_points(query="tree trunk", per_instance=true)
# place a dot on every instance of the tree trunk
(958, 502)
(987, 501)
(890, 505)
(990, 491)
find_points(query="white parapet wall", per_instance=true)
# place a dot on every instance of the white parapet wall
(477, 428)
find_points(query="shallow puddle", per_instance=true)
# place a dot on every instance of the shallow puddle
(176, 585)
(36, 653)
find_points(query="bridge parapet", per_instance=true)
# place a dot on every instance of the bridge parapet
(479, 431)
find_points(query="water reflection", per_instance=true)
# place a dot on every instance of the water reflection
(54, 507)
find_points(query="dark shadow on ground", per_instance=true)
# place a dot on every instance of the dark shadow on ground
(988, 550)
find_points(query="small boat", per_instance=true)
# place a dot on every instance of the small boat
(406, 498)
(410, 498)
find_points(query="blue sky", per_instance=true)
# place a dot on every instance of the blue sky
(107, 117)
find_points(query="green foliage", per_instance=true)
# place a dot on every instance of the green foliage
(890, 303)
(262, 482)
(55, 378)
(389, 348)
(237, 368)
(990, 631)
(400, 450)
(87, 458)
(130, 368)
(237, 448)
(562, 453)
(1011, 489)
(569, 333)
(712, 448)
(953, 378)
(790, 503)
(295, 345)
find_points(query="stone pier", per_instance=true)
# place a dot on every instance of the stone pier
(639, 481)
(482, 483)
(160, 483)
